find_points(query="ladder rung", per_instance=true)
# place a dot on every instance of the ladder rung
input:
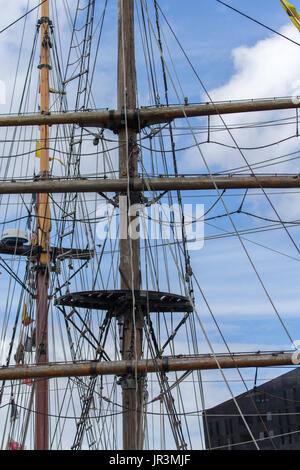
(76, 142)
(70, 314)
(74, 77)
(82, 421)
(68, 215)
(75, 445)
(66, 234)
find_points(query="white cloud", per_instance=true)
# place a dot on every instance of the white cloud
(270, 68)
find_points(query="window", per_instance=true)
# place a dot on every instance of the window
(226, 426)
(282, 436)
(258, 398)
(262, 398)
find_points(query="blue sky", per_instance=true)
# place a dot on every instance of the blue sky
(208, 31)
(219, 30)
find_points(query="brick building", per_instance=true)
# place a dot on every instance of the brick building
(272, 411)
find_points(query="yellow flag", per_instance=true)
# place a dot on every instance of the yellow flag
(38, 149)
(38, 153)
(292, 12)
(26, 320)
(57, 159)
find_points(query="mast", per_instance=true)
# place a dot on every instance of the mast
(44, 227)
(131, 322)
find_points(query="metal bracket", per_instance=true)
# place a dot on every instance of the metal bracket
(42, 66)
(128, 382)
(45, 19)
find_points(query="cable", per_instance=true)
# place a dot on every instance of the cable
(258, 440)
(258, 22)
(21, 17)
(217, 189)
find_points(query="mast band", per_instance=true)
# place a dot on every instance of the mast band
(45, 19)
(94, 369)
(43, 66)
(165, 365)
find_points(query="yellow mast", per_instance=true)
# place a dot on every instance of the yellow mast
(44, 223)
(44, 227)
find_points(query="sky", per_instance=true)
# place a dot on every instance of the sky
(235, 59)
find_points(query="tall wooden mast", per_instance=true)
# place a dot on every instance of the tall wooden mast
(131, 330)
(44, 227)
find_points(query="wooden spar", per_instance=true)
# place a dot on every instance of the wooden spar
(153, 184)
(131, 323)
(143, 117)
(143, 366)
(44, 227)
